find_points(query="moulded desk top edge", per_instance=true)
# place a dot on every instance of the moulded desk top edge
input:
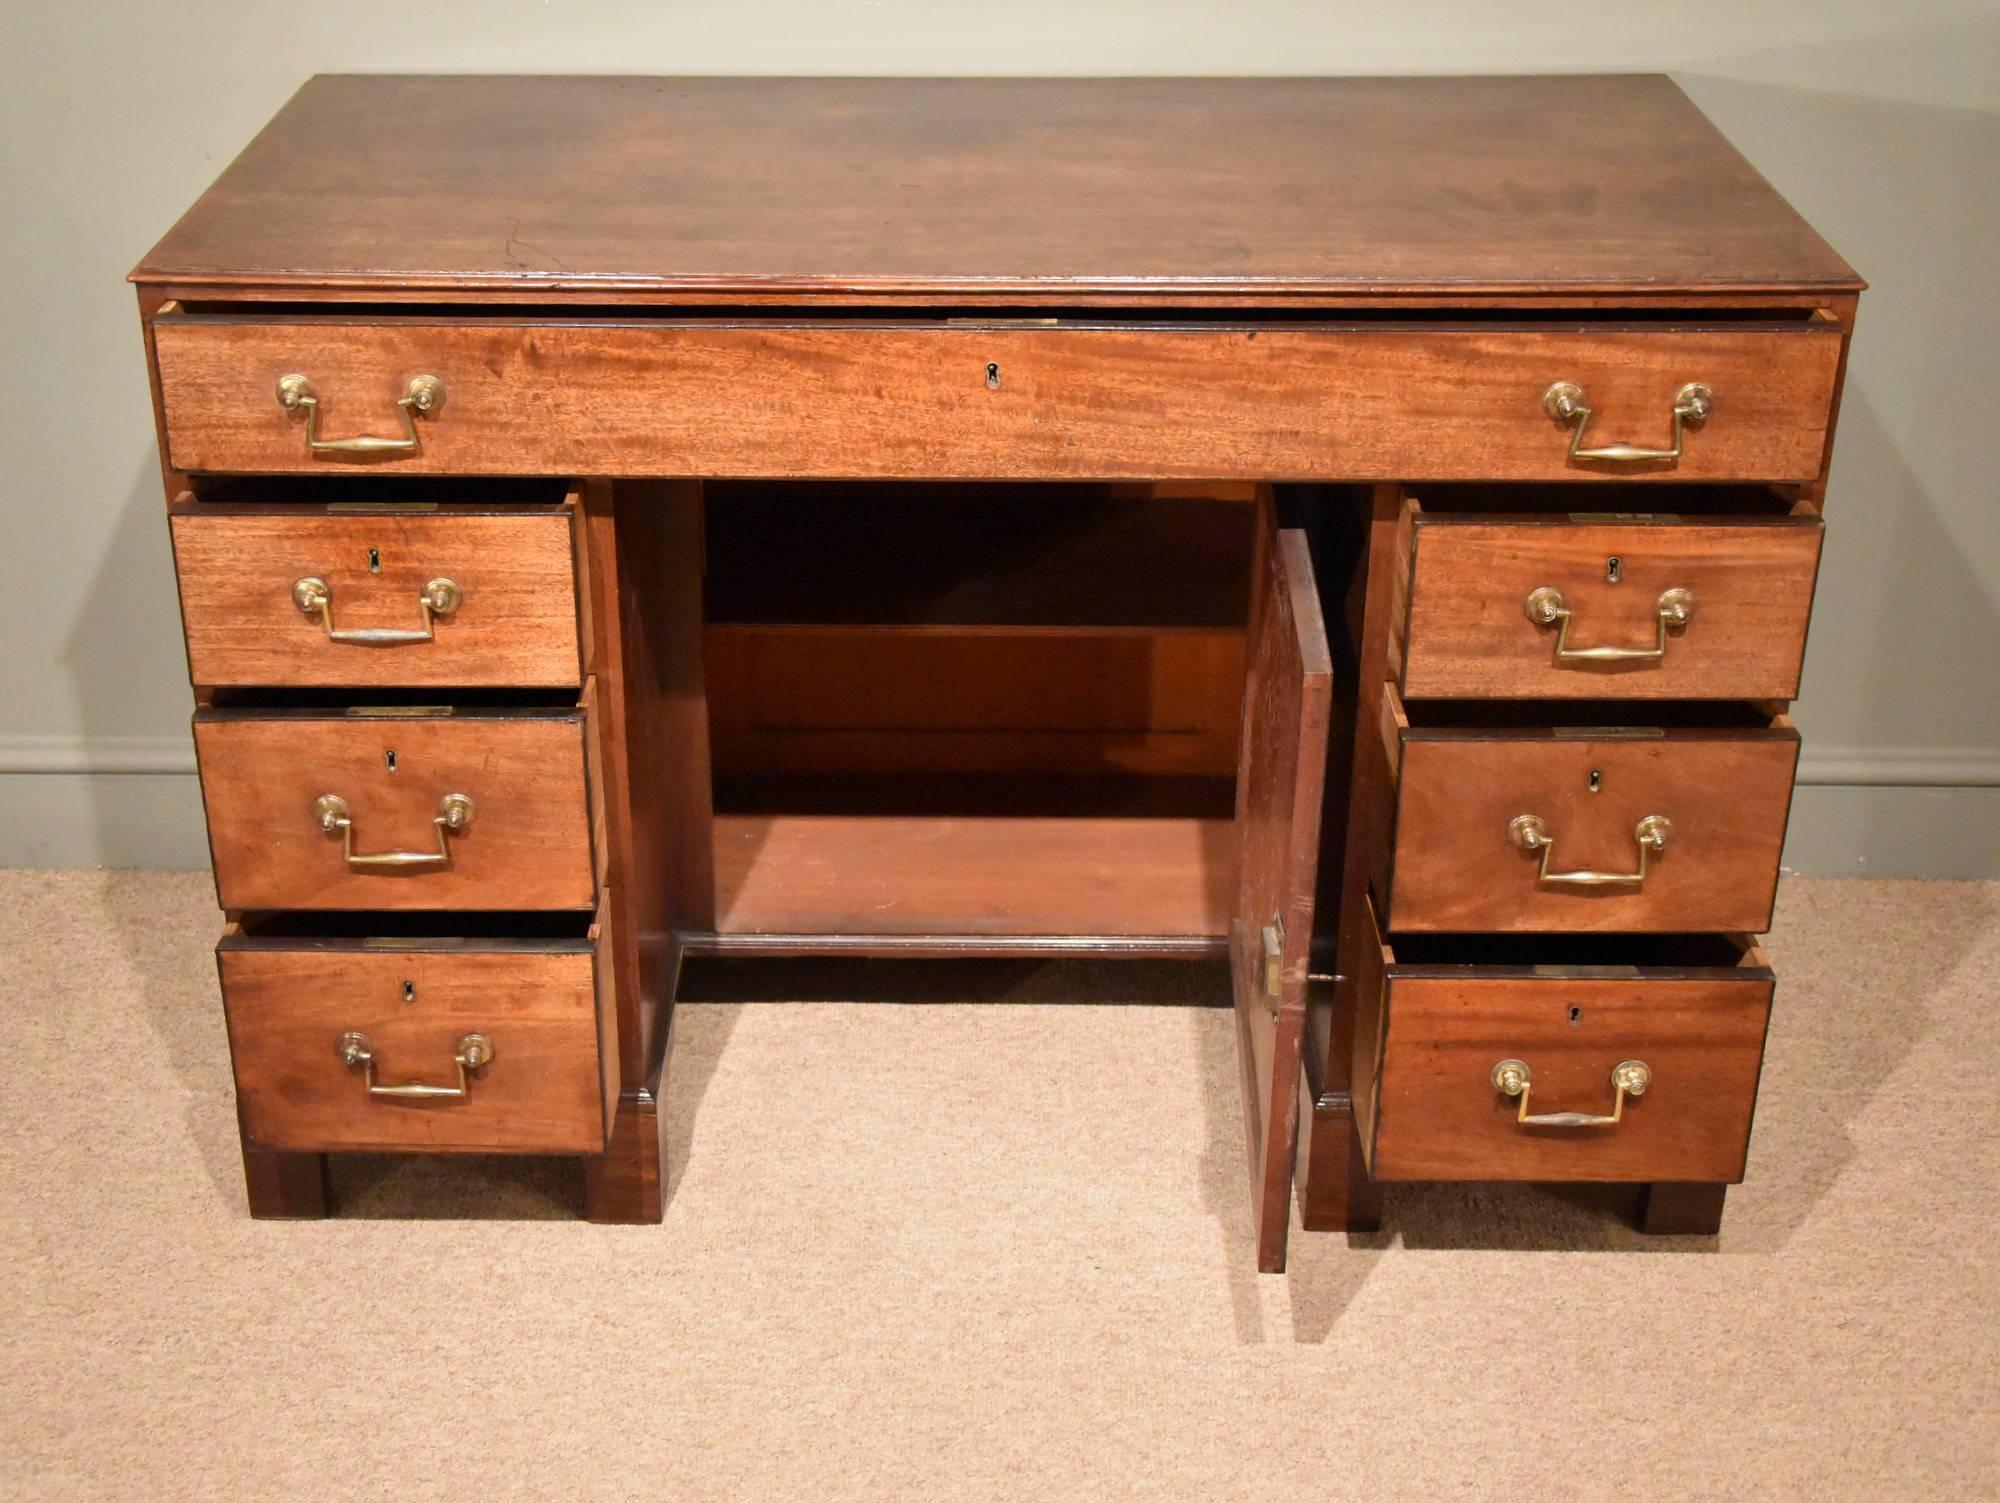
(1038, 190)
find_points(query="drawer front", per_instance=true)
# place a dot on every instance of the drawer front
(1434, 1111)
(304, 1082)
(306, 597)
(1561, 608)
(524, 842)
(1465, 858)
(636, 398)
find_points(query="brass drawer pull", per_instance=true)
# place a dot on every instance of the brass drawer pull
(475, 1051)
(425, 394)
(1630, 1077)
(1545, 607)
(314, 597)
(454, 814)
(1530, 833)
(1564, 402)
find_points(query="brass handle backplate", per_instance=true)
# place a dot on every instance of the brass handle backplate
(1565, 402)
(1511, 1077)
(314, 597)
(423, 396)
(1545, 607)
(454, 814)
(1531, 833)
(475, 1051)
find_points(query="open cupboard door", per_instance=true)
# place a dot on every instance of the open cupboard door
(1286, 705)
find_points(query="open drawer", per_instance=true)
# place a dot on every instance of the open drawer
(1507, 823)
(422, 1032)
(1700, 594)
(480, 804)
(1579, 1058)
(370, 592)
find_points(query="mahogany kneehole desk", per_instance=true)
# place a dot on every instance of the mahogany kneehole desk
(1367, 533)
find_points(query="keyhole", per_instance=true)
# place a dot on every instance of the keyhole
(374, 560)
(1613, 567)
(993, 375)
(389, 757)
(1596, 780)
(1575, 1016)
(410, 995)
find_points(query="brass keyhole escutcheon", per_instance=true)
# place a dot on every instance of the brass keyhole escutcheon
(992, 375)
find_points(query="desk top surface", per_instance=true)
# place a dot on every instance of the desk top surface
(1035, 191)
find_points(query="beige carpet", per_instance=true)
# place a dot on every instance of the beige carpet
(971, 1248)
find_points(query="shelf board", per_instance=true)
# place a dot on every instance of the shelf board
(854, 874)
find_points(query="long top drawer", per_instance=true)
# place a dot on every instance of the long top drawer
(937, 399)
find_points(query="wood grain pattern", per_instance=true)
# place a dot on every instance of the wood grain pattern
(542, 1092)
(1468, 635)
(962, 946)
(1436, 1115)
(1365, 959)
(528, 845)
(1682, 1210)
(1455, 870)
(1386, 606)
(573, 286)
(607, 946)
(641, 567)
(947, 874)
(1287, 705)
(284, 1186)
(1022, 189)
(821, 699)
(626, 1185)
(516, 624)
(1329, 1173)
(636, 398)
(1337, 1194)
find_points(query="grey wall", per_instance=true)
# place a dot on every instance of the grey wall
(1877, 121)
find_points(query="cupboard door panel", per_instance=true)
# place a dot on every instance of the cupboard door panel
(1279, 787)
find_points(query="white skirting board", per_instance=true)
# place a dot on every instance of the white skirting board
(1838, 829)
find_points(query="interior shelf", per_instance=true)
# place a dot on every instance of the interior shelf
(935, 627)
(979, 711)
(792, 873)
